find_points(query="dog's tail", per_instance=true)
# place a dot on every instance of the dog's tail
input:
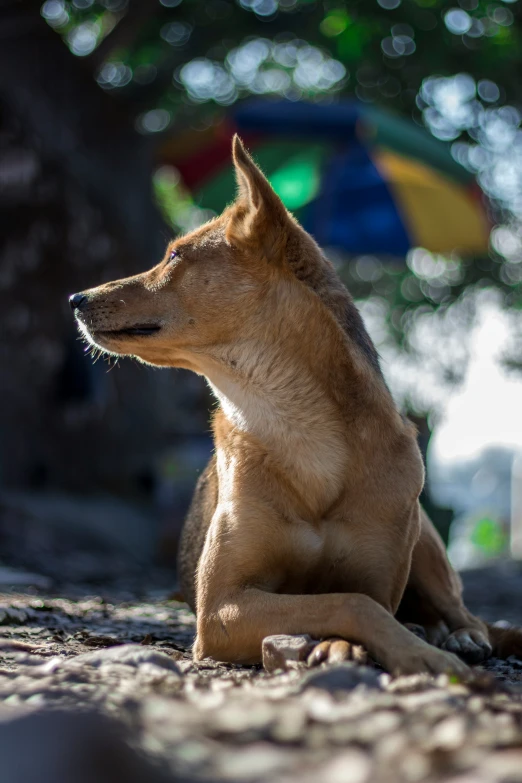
(505, 641)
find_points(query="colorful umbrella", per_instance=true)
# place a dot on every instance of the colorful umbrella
(358, 178)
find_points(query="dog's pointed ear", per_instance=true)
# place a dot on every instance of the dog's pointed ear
(258, 214)
(253, 187)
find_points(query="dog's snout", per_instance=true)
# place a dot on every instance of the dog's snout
(77, 301)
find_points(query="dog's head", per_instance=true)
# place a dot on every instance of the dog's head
(208, 286)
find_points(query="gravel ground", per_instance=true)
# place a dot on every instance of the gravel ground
(72, 657)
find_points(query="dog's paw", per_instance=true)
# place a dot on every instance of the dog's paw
(418, 630)
(470, 644)
(433, 633)
(335, 650)
(422, 658)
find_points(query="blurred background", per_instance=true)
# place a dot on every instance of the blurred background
(391, 128)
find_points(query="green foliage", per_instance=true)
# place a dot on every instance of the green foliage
(386, 52)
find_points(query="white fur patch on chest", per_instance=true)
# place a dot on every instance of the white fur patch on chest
(290, 415)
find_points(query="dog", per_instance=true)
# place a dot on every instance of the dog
(307, 518)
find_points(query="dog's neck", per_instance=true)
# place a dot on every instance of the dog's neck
(267, 394)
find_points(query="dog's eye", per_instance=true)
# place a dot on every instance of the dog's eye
(173, 255)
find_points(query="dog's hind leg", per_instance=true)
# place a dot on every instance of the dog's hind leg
(433, 599)
(505, 641)
(195, 529)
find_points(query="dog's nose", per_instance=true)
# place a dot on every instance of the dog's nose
(77, 301)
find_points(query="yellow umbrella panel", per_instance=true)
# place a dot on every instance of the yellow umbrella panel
(438, 212)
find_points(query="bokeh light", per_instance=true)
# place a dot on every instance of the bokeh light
(262, 67)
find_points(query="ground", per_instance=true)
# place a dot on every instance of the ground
(70, 650)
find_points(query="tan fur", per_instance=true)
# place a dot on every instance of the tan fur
(307, 518)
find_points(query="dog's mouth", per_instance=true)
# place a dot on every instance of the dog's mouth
(139, 330)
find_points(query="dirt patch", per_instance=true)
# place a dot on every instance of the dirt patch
(128, 657)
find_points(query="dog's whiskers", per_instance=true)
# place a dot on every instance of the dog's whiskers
(108, 359)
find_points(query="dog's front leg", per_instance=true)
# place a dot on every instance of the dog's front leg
(233, 629)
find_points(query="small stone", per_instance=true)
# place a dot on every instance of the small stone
(352, 765)
(475, 704)
(342, 677)
(128, 654)
(11, 616)
(410, 683)
(412, 702)
(449, 734)
(239, 717)
(290, 724)
(259, 760)
(285, 652)
(392, 746)
(504, 765)
(377, 725)
(13, 700)
(415, 766)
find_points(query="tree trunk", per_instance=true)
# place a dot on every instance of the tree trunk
(86, 132)
(75, 210)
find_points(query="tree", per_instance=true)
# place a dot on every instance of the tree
(88, 93)
(77, 208)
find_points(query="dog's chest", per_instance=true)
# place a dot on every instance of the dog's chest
(300, 431)
(330, 557)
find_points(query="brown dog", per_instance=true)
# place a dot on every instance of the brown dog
(307, 518)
